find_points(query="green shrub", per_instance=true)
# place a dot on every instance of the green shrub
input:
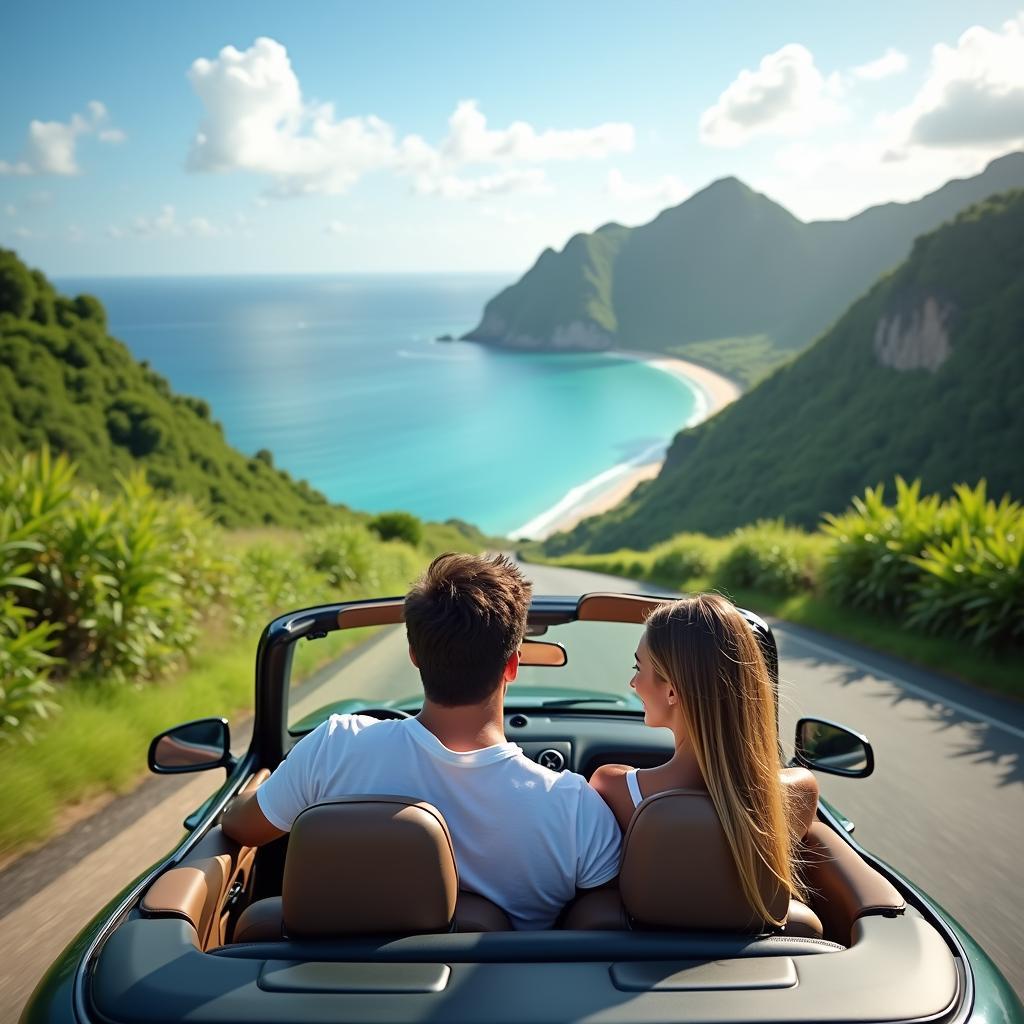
(768, 557)
(268, 579)
(869, 562)
(941, 566)
(681, 559)
(126, 576)
(344, 553)
(972, 584)
(398, 526)
(25, 661)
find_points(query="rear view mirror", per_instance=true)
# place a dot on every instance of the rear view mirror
(830, 747)
(192, 747)
(543, 652)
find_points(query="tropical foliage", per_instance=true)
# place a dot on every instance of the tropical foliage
(954, 567)
(25, 658)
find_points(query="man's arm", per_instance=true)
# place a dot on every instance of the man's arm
(288, 791)
(246, 823)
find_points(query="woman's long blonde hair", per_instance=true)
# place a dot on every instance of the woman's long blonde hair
(704, 648)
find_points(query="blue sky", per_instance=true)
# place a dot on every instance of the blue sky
(469, 136)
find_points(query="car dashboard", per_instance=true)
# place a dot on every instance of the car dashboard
(583, 741)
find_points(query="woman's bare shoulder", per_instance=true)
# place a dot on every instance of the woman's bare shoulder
(612, 775)
(610, 781)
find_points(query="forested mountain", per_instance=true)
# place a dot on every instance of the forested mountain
(65, 382)
(923, 376)
(728, 278)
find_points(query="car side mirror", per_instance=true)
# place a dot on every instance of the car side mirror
(830, 747)
(192, 747)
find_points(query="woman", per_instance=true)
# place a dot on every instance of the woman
(699, 671)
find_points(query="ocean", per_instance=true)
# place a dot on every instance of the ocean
(343, 380)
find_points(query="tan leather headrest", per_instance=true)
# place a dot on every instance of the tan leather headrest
(678, 871)
(365, 864)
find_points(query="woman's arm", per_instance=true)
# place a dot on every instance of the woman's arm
(801, 790)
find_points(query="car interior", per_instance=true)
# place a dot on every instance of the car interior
(357, 913)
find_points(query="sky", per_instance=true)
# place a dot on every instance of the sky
(238, 138)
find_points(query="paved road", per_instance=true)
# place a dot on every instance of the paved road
(946, 804)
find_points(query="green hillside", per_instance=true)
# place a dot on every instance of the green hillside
(921, 377)
(728, 278)
(65, 382)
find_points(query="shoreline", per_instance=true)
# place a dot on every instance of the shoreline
(712, 393)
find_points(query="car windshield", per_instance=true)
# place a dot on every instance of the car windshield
(379, 673)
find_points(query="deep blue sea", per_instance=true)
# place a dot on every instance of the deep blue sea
(342, 379)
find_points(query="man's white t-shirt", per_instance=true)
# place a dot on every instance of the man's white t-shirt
(525, 837)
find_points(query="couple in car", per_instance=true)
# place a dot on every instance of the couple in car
(527, 838)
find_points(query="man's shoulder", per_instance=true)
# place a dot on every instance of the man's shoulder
(349, 724)
(565, 784)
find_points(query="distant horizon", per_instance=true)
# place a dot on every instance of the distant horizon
(510, 272)
(285, 273)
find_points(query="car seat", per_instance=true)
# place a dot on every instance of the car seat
(365, 865)
(677, 871)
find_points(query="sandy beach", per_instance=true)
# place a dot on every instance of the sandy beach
(713, 391)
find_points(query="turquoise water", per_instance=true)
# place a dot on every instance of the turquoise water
(343, 380)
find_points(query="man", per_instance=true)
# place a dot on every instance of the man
(525, 837)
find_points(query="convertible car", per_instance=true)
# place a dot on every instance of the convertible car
(357, 915)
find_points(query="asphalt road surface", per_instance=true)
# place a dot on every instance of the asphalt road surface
(945, 805)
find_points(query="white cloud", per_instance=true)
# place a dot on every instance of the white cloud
(531, 181)
(509, 218)
(892, 62)
(11, 210)
(666, 191)
(24, 233)
(968, 109)
(839, 179)
(50, 147)
(470, 141)
(786, 95)
(974, 94)
(337, 228)
(200, 227)
(257, 120)
(166, 224)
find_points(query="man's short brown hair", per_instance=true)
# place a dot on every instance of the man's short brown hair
(465, 617)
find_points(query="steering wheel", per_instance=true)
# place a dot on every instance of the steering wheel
(384, 713)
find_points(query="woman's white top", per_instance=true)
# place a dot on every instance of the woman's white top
(634, 787)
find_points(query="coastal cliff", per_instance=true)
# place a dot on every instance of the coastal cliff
(922, 377)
